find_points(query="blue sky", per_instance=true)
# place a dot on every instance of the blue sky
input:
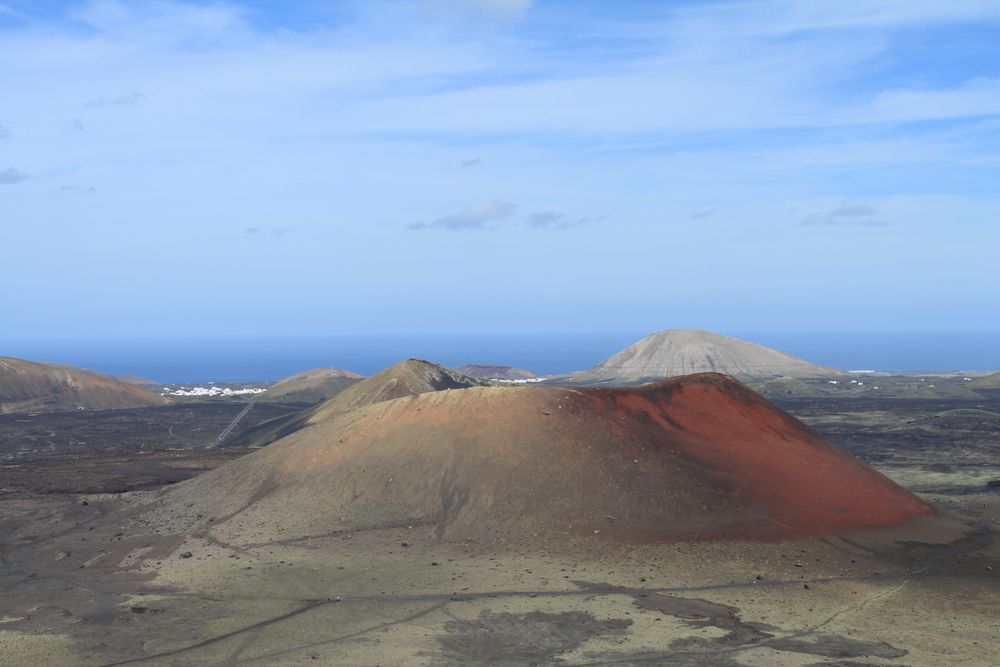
(179, 168)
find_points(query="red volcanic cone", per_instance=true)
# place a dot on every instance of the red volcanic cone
(697, 457)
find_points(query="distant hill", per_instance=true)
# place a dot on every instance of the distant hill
(490, 372)
(964, 419)
(677, 352)
(28, 386)
(988, 382)
(407, 378)
(310, 386)
(138, 381)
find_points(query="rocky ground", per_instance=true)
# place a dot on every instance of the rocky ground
(939, 446)
(93, 451)
(86, 582)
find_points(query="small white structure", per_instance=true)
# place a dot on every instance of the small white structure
(213, 391)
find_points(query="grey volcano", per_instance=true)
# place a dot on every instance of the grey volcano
(676, 352)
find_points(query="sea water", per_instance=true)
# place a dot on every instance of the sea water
(247, 358)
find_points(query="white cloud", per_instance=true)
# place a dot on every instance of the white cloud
(313, 112)
(12, 176)
(979, 97)
(503, 8)
(127, 99)
(552, 221)
(789, 16)
(846, 210)
(160, 18)
(697, 76)
(479, 217)
(845, 215)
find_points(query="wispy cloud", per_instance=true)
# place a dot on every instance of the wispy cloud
(500, 8)
(375, 112)
(276, 232)
(784, 16)
(5, 133)
(854, 211)
(160, 20)
(13, 176)
(552, 221)
(482, 216)
(6, 10)
(127, 99)
(845, 215)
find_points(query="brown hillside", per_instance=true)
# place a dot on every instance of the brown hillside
(28, 386)
(699, 457)
(407, 378)
(310, 386)
(493, 372)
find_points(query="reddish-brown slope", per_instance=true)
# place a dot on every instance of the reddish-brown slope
(28, 386)
(797, 480)
(699, 457)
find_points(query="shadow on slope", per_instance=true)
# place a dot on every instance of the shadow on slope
(407, 378)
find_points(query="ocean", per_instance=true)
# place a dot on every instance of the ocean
(246, 359)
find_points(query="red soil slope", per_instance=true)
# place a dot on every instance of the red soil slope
(798, 481)
(698, 457)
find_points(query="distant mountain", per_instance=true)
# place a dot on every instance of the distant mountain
(28, 386)
(676, 352)
(988, 382)
(311, 386)
(407, 378)
(490, 372)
